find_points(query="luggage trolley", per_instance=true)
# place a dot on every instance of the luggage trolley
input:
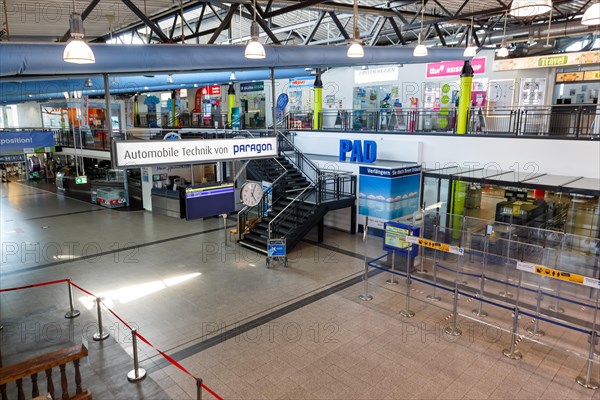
(276, 249)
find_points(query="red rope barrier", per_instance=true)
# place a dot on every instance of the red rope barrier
(33, 285)
(143, 339)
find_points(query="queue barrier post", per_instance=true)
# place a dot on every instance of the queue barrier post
(587, 381)
(454, 330)
(365, 296)
(72, 313)
(433, 297)
(392, 281)
(198, 388)
(136, 374)
(512, 352)
(100, 335)
(406, 312)
(534, 329)
(479, 312)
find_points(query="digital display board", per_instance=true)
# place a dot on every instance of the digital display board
(209, 201)
(395, 238)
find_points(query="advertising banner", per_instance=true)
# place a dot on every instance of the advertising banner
(305, 81)
(15, 142)
(373, 75)
(580, 58)
(389, 193)
(453, 68)
(134, 153)
(252, 87)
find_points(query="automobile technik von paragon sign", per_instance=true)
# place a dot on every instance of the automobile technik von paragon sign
(134, 153)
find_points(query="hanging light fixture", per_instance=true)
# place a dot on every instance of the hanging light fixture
(356, 49)
(232, 77)
(170, 78)
(77, 50)
(88, 83)
(591, 15)
(421, 50)
(529, 8)
(503, 51)
(471, 50)
(254, 49)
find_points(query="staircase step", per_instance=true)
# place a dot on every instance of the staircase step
(253, 246)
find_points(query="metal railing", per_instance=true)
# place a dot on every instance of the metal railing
(555, 121)
(292, 213)
(87, 138)
(335, 185)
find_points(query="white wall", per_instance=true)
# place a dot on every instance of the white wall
(558, 157)
(29, 115)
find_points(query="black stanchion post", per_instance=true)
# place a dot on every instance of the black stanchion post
(72, 313)
(198, 389)
(137, 373)
(406, 312)
(100, 335)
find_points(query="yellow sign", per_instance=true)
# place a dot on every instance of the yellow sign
(569, 77)
(556, 274)
(591, 75)
(436, 245)
(578, 58)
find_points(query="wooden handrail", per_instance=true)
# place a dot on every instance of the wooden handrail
(45, 363)
(42, 363)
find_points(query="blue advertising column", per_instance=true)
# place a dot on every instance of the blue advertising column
(235, 118)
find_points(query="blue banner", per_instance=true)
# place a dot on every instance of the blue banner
(15, 142)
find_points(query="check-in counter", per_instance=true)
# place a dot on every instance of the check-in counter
(167, 202)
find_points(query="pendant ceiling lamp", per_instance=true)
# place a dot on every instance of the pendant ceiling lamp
(471, 50)
(529, 8)
(592, 15)
(503, 51)
(170, 78)
(254, 49)
(77, 51)
(356, 49)
(232, 77)
(421, 49)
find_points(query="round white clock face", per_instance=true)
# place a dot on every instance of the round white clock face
(251, 193)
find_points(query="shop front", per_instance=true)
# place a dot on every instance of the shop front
(252, 101)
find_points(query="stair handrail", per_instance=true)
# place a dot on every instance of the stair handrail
(45, 363)
(311, 186)
(246, 209)
(304, 159)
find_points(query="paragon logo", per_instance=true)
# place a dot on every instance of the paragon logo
(252, 148)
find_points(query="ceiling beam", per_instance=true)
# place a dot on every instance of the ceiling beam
(263, 25)
(377, 31)
(339, 25)
(224, 23)
(146, 20)
(315, 28)
(440, 34)
(397, 30)
(298, 6)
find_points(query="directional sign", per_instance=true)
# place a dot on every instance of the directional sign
(436, 245)
(80, 180)
(556, 274)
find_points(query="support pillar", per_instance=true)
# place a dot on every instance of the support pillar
(318, 107)
(464, 102)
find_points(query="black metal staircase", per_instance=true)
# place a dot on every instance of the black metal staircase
(301, 196)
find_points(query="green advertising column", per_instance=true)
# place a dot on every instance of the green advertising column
(174, 118)
(457, 207)
(230, 103)
(318, 107)
(464, 102)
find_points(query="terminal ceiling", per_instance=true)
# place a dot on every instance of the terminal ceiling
(291, 22)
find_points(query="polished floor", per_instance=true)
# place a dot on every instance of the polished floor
(249, 332)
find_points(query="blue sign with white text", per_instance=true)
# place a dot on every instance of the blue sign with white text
(362, 151)
(14, 142)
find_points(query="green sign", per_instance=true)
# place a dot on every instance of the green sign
(443, 122)
(553, 61)
(446, 88)
(252, 87)
(80, 180)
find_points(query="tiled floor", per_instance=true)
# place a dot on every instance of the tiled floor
(185, 290)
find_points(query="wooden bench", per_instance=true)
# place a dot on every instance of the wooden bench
(45, 363)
